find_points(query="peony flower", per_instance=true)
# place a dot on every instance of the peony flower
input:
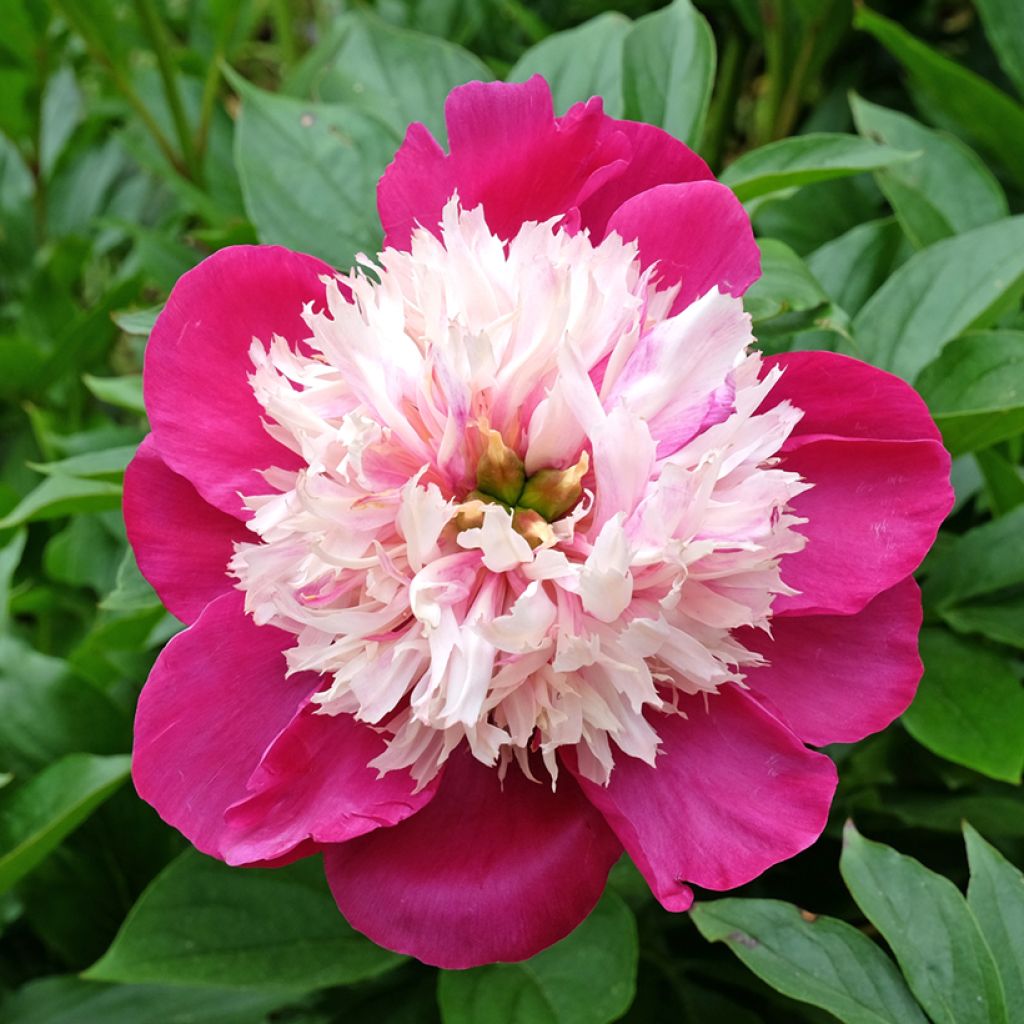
(506, 552)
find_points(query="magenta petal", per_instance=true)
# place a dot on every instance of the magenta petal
(655, 158)
(315, 784)
(698, 233)
(872, 513)
(485, 872)
(845, 397)
(181, 543)
(207, 424)
(732, 793)
(508, 152)
(839, 678)
(215, 700)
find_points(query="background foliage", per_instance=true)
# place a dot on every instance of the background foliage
(881, 155)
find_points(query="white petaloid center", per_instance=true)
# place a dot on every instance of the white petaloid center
(438, 630)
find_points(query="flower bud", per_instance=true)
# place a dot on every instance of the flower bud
(553, 492)
(500, 473)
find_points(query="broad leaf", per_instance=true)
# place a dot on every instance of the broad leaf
(996, 895)
(203, 923)
(668, 70)
(580, 63)
(60, 496)
(940, 292)
(975, 389)
(587, 978)
(817, 960)
(1004, 25)
(804, 159)
(999, 622)
(124, 392)
(969, 707)
(37, 815)
(931, 930)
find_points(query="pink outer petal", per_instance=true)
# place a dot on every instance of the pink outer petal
(656, 158)
(215, 700)
(206, 421)
(508, 152)
(181, 543)
(845, 397)
(314, 784)
(485, 872)
(697, 232)
(872, 515)
(732, 793)
(839, 678)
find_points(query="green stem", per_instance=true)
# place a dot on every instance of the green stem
(284, 31)
(774, 64)
(159, 38)
(123, 86)
(789, 107)
(723, 103)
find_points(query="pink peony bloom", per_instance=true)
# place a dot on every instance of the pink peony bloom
(506, 552)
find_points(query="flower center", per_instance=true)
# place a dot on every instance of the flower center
(533, 502)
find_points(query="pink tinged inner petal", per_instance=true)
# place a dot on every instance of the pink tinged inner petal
(839, 678)
(872, 514)
(207, 423)
(181, 543)
(733, 792)
(487, 871)
(216, 699)
(508, 152)
(698, 234)
(314, 784)
(844, 397)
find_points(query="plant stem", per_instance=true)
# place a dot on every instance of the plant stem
(159, 38)
(774, 63)
(284, 31)
(723, 103)
(789, 107)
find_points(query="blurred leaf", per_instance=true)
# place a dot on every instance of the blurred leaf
(983, 112)
(939, 293)
(929, 928)
(10, 558)
(397, 75)
(853, 266)
(1004, 481)
(70, 1000)
(83, 554)
(45, 712)
(817, 960)
(946, 190)
(105, 464)
(668, 71)
(980, 562)
(131, 589)
(204, 923)
(996, 814)
(61, 112)
(580, 62)
(309, 173)
(124, 392)
(137, 322)
(969, 706)
(59, 496)
(38, 814)
(587, 978)
(999, 622)
(996, 895)
(975, 389)
(1003, 21)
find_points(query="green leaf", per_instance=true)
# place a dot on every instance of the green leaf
(929, 928)
(60, 114)
(10, 559)
(107, 463)
(83, 554)
(939, 293)
(786, 284)
(818, 960)
(946, 190)
(1003, 21)
(580, 62)
(132, 590)
(587, 978)
(201, 922)
(1004, 481)
(60, 496)
(803, 159)
(137, 323)
(999, 622)
(124, 392)
(996, 895)
(309, 172)
(969, 707)
(400, 76)
(984, 113)
(853, 266)
(978, 563)
(668, 70)
(37, 815)
(69, 1000)
(975, 389)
